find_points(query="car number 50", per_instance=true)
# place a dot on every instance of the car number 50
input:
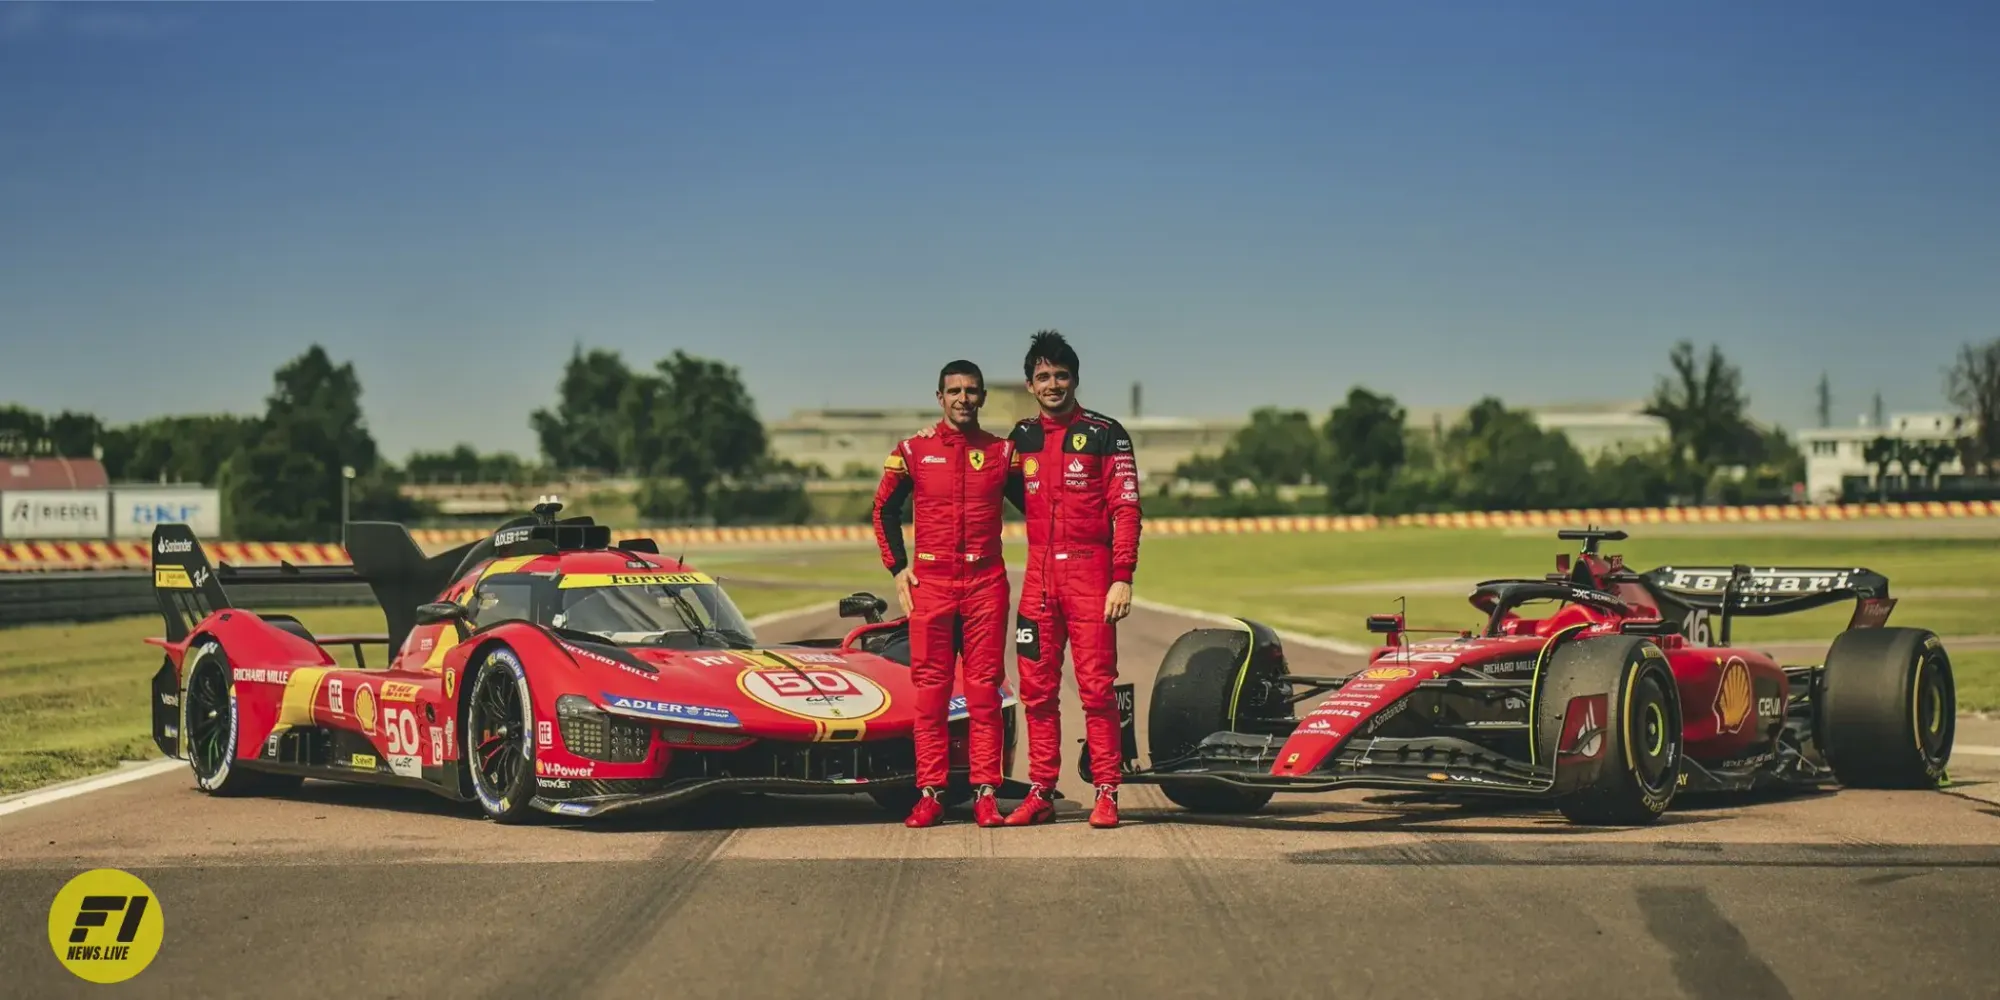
(401, 726)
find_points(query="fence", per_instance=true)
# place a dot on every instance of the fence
(30, 598)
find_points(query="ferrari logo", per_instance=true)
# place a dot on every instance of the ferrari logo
(978, 459)
(1076, 442)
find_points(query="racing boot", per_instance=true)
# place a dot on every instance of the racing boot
(1105, 815)
(986, 808)
(928, 812)
(1036, 808)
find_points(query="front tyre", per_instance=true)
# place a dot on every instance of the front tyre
(499, 737)
(1216, 680)
(1607, 715)
(209, 730)
(1885, 708)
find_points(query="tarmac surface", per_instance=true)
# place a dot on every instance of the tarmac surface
(366, 892)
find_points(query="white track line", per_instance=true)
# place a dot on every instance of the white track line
(1976, 751)
(134, 772)
(84, 786)
(1291, 638)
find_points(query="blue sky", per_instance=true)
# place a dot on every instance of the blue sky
(1233, 203)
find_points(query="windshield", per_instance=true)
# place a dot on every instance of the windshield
(642, 607)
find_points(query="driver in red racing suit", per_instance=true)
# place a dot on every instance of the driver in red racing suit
(956, 585)
(1075, 480)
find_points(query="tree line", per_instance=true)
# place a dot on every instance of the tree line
(688, 432)
(687, 429)
(1364, 458)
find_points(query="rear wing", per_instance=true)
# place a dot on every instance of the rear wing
(1763, 592)
(189, 589)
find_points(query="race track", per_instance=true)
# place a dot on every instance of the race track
(371, 892)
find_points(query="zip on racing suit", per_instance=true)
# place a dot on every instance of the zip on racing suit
(958, 480)
(1077, 484)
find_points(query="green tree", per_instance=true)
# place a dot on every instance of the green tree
(1504, 461)
(1972, 383)
(584, 429)
(1276, 448)
(1704, 406)
(286, 484)
(693, 421)
(465, 464)
(181, 449)
(1365, 449)
(1881, 453)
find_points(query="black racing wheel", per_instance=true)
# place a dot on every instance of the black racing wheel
(209, 729)
(499, 738)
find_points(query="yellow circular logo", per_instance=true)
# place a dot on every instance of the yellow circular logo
(106, 925)
(1031, 467)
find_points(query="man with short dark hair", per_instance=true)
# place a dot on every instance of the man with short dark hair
(957, 473)
(1075, 479)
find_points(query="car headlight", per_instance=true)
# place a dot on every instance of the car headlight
(596, 735)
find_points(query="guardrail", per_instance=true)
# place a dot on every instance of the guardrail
(55, 556)
(35, 598)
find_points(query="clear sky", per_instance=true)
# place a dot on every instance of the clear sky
(1233, 203)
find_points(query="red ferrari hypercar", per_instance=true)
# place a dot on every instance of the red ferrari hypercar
(550, 671)
(1623, 693)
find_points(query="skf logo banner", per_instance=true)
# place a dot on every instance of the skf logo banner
(106, 925)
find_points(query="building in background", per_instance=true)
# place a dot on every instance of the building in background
(1593, 428)
(1837, 465)
(850, 443)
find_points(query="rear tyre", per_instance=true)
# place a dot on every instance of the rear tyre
(499, 738)
(1212, 680)
(209, 730)
(1885, 708)
(1621, 764)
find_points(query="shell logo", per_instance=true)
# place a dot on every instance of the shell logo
(1385, 673)
(1733, 696)
(1030, 467)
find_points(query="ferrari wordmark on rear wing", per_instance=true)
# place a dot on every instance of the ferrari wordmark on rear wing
(1760, 592)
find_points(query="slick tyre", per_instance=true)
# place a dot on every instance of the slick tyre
(1885, 708)
(209, 729)
(499, 743)
(1210, 681)
(1607, 714)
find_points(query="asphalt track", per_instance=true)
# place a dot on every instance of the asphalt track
(367, 892)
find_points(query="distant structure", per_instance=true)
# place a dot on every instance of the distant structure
(1593, 428)
(1837, 466)
(851, 443)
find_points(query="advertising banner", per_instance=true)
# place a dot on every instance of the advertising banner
(134, 512)
(27, 515)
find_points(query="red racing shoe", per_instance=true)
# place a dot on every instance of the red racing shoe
(1105, 815)
(986, 808)
(1033, 809)
(928, 812)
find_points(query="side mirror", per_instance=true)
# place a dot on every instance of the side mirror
(863, 605)
(440, 612)
(1389, 624)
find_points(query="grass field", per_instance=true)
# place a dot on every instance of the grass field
(73, 698)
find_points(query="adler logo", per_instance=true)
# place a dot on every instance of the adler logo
(170, 547)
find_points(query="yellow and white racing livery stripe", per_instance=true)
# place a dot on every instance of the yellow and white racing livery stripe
(575, 581)
(301, 690)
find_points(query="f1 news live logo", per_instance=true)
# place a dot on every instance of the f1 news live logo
(106, 925)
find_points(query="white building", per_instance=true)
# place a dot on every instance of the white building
(1593, 428)
(1836, 456)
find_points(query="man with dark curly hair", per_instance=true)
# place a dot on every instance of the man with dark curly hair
(1075, 479)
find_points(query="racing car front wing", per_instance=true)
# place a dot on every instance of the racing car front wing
(1428, 763)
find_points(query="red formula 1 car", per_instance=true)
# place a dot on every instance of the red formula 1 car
(550, 672)
(1625, 693)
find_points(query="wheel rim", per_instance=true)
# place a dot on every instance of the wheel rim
(1933, 709)
(1652, 736)
(208, 720)
(499, 745)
